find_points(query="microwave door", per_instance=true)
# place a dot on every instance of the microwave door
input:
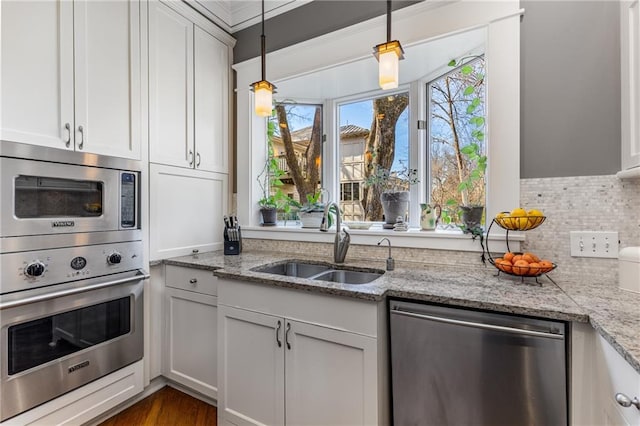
(54, 198)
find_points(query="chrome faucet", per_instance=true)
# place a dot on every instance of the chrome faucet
(341, 243)
(391, 264)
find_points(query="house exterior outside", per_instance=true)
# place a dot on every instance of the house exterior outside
(352, 144)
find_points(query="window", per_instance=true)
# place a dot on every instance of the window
(337, 72)
(457, 139)
(295, 137)
(373, 142)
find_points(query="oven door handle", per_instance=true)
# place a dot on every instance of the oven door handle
(49, 296)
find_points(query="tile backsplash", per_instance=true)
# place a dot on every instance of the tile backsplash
(584, 203)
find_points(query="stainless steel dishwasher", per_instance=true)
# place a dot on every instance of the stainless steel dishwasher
(463, 367)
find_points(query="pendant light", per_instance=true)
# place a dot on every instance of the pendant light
(262, 89)
(388, 55)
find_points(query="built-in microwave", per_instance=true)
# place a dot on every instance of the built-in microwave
(47, 198)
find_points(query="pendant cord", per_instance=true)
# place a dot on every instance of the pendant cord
(388, 21)
(263, 44)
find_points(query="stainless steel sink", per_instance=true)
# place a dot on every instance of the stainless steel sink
(320, 272)
(348, 277)
(294, 269)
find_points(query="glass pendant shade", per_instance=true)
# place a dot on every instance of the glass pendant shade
(263, 97)
(388, 55)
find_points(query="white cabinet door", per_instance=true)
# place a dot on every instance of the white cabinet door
(211, 97)
(615, 375)
(107, 77)
(191, 339)
(251, 367)
(37, 73)
(170, 87)
(331, 376)
(630, 79)
(186, 208)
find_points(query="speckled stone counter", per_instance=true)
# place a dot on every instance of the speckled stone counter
(612, 312)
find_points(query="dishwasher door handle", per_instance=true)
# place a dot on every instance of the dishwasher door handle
(479, 325)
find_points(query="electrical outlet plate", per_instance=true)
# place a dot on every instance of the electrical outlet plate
(594, 244)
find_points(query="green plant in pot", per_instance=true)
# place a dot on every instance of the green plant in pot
(394, 191)
(312, 211)
(268, 177)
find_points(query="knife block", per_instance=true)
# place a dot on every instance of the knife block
(232, 247)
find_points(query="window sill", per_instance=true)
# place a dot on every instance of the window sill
(413, 238)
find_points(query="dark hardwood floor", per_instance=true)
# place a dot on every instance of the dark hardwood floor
(167, 407)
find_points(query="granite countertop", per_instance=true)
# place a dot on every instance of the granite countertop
(614, 313)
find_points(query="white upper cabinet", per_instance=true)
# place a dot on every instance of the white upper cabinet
(170, 77)
(107, 73)
(188, 91)
(71, 75)
(211, 97)
(630, 79)
(37, 73)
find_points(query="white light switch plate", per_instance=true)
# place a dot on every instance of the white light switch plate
(594, 244)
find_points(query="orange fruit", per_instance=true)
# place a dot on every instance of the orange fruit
(515, 258)
(508, 256)
(533, 256)
(546, 265)
(506, 266)
(528, 257)
(520, 267)
(535, 269)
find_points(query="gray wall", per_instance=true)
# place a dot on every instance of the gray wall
(570, 78)
(309, 21)
(570, 87)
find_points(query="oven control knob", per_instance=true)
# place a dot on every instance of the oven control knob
(34, 269)
(114, 258)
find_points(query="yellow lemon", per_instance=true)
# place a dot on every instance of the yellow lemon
(520, 221)
(535, 218)
(519, 212)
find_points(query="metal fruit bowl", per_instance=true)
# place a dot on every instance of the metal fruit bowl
(519, 223)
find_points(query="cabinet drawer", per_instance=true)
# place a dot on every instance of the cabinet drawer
(191, 279)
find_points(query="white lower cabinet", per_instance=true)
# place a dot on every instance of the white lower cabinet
(191, 329)
(598, 373)
(615, 376)
(310, 364)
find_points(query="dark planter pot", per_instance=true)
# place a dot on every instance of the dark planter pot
(472, 217)
(269, 216)
(394, 204)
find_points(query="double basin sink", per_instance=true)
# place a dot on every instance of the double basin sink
(321, 272)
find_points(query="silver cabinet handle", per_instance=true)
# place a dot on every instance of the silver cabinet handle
(278, 334)
(198, 157)
(67, 127)
(625, 401)
(193, 281)
(81, 130)
(286, 336)
(191, 158)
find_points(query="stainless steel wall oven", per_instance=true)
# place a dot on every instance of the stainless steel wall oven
(71, 272)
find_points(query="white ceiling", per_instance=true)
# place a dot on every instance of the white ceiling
(422, 60)
(234, 15)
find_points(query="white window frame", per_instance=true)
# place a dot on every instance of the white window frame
(501, 21)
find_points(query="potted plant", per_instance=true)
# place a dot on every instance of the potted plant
(270, 176)
(312, 211)
(394, 191)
